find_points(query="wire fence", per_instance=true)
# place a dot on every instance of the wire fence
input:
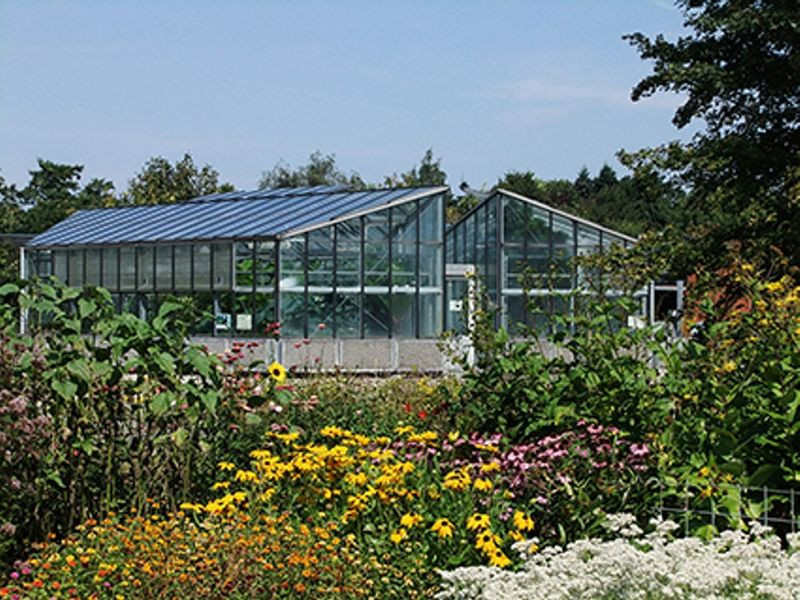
(772, 507)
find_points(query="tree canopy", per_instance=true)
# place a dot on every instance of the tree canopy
(160, 182)
(739, 70)
(320, 170)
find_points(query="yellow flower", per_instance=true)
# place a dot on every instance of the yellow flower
(497, 558)
(482, 485)
(410, 520)
(705, 472)
(192, 506)
(398, 536)
(443, 527)
(490, 467)
(516, 536)
(278, 372)
(487, 541)
(729, 366)
(246, 476)
(453, 436)
(478, 521)
(522, 521)
(226, 466)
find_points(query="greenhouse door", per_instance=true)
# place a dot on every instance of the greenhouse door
(459, 287)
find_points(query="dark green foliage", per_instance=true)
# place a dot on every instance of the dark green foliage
(160, 182)
(320, 170)
(97, 410)
(739, 71)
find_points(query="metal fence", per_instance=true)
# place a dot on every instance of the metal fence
(773, 507)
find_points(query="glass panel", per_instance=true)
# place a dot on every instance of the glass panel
(515, 264)
(430, 219)
(562, 267)
(610, 240)
(92, 257)
(320, 314)
(376, 315)
(183, 267)
(430, 265)
(430, 317)
(111, 268)
(244, 265)
(538, 226)
(563, 233)
(264, 312)
(480, 241)
(404, 222)
(515, 312)
(514, 216)
(404, 309)
(265, 266)
(60, 265)
(347, 315)
(204, 311)
(292, 287)
(127, 268)
(491, 253)
(469, 237)
(144, 264)
(588, 236)
(243, 313)
(320, 260)
(376, 251)
(129, 303)
(223, 313)
(202, 267)
(76, 268)
(222, 266)
(164, 267)
(404, 266)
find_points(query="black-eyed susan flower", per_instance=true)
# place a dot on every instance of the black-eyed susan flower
(522, 521)
(498, 558)
(398, 536)
(443, 528)
(410, 520)
(482, 485)
(278, 372)
(478, 521)
(487, 541)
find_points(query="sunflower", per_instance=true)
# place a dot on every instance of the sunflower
(278, 372)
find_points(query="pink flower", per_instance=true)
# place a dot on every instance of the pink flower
(639, 450)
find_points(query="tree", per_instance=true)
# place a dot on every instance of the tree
(54, 192)
(160, 182)
(320, 170)
(740, 73)
(428, 173)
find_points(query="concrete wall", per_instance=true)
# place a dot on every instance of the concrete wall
(367, 355)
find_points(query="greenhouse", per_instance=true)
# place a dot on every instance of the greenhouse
(507, 234)
(323, 261)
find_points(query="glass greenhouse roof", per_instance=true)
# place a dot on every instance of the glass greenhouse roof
(260, 214)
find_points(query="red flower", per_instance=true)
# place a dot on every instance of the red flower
(407, 407)
(423, 414)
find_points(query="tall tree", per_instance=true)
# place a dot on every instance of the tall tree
(429, 172)
(740, 73)
(320, 170)
(161, 182)
(54, 192)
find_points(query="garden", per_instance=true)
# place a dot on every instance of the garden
(136, 464)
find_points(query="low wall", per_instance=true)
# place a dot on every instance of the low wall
(359, 355)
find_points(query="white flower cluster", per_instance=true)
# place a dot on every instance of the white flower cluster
(734, 564)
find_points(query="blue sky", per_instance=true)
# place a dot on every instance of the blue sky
(492, 86)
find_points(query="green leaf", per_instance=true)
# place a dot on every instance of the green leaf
(160, 403)
(65, 388)
(86, 308)
(80, 368)
(9, 288)
(762, 475)
(179, 436)
(210, 399)
(165, 361)
(252, 419)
